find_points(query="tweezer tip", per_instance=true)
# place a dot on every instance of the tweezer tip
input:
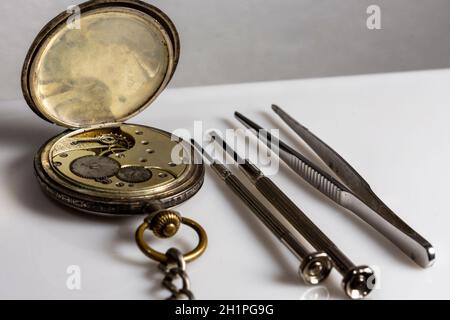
(280, 112)
(249, 124)
(239, 116)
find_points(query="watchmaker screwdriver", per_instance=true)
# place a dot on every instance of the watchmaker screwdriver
(358, 281)
(314, 266)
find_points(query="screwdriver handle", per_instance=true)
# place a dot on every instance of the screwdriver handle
(266, 217)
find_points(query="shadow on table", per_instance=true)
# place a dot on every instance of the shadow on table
(22, 137)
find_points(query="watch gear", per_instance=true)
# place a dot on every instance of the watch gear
(134, 174)
(95, 167)
(107, 139)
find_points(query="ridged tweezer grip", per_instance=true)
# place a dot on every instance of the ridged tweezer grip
(315, 178)
(301, 222)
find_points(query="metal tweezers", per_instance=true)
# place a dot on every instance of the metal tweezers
(351, 192)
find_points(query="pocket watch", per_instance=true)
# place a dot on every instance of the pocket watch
(90, 78)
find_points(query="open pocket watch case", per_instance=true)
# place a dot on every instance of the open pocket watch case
(91, 80)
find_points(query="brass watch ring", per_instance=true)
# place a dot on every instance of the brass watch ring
(162, 258)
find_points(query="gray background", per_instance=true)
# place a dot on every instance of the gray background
(253, 40)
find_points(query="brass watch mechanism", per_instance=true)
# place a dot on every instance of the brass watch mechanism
(119, 170)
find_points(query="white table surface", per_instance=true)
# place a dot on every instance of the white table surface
(393, 128)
